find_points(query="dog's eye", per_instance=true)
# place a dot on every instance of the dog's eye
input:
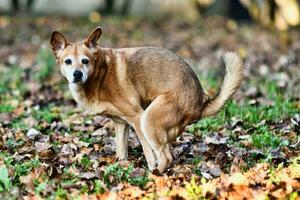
(85, 61)
(68, 61)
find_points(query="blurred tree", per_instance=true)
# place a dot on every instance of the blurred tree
(280, 14)
(231, 8)
(237, 11)
(15, 6)
(126, 6)
(203, 6)
(110, 7)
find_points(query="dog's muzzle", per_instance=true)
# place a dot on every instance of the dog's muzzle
(77, 76)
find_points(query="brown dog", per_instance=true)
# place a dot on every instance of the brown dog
(150, 88)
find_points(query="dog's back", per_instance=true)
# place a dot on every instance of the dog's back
(154, 71)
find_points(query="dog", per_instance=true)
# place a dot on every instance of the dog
(149, 88)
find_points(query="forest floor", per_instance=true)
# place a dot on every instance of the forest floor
(50, 149)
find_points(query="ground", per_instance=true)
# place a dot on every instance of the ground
(51, 149)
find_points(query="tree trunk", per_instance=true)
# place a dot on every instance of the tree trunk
(15, 6)
(126, 6)
(109, 6)
(29, 5)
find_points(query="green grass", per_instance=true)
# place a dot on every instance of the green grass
(256, 118)
(86, 162)
(11, 143)
(121, 174)
(47, 64)
(5, 181)
(13, 81)
(250, 115)
(48, 114)
(19, 168)
(18, 123)
(40, 187)
(24, 168)
(194, 190)
(98, 187)
(196, 160)
(265, 139)
(61, 193)
(283, 106)
(6, 108)
(69, 177)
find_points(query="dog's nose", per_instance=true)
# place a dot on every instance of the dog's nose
(77, 75)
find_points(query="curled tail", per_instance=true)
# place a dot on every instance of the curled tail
(231, 82)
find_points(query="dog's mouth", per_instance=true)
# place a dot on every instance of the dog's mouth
(77, 81)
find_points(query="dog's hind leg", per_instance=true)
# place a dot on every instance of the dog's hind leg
(148, 152)
(160, 123)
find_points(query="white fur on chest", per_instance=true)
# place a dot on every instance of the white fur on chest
(88, 106)
(81, 100)
(77, 93)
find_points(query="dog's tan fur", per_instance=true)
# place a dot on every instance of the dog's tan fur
(150, 88)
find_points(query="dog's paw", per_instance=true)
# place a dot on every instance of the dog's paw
(156, 172)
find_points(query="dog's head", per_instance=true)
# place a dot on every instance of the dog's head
(76, 60)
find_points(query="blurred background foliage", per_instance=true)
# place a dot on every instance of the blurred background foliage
(278, 14)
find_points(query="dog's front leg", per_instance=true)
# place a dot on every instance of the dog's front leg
(122, 131)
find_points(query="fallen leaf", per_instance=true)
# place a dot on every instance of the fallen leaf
(32, 133)
(41, 146)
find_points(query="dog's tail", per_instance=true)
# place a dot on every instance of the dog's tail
(231, 82)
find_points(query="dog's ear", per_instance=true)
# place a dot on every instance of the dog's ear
(93, 38)
(58, 42)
